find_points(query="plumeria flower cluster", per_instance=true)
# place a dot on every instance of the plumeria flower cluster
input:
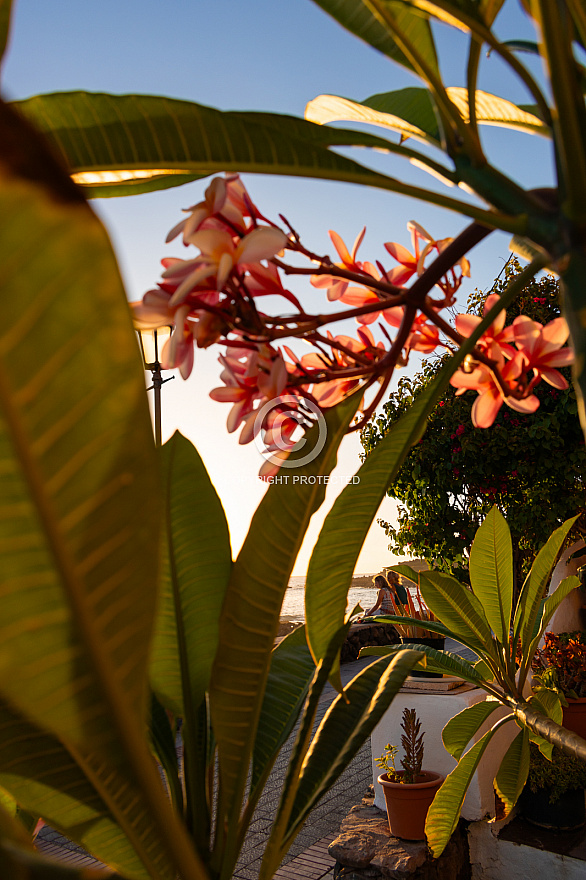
(519, 357)
(218, 294)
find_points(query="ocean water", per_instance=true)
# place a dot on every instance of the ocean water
(293, 603)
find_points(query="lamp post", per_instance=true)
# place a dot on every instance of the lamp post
(150, 342)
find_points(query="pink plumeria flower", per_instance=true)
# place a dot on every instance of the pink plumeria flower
(497, 336)
(226, 196)
(411, 263)
(490, 396)
(541, 348)
(220, 255)
(423, 336)
(337, 286)
(250, 377)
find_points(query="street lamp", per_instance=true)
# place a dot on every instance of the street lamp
(151, 341)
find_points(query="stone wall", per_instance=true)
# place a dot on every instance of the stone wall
(362, 635)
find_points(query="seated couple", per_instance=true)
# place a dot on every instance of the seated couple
(387, 588)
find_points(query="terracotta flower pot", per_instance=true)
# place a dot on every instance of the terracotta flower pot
(407, 804)
(575, 716)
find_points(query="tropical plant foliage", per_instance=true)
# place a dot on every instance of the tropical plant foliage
(504, 635)
(531, 466)
(95, 617)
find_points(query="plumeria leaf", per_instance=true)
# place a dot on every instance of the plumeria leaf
(512, 774)
(465, 15)
(491, 572)
(79, 487)
(349, 720)
(333, 560)
(548, 703)
(253, 601)
(40, 773)
(535, 585)
(411, 112)
(126, 144)
(551, 604)
(462, 727)
(432, 661)
(5, 8)
(290, 674)
(452, 602)
(276, 847)
(194, 583)
(384, 32)
(445, 810)
(163, 742)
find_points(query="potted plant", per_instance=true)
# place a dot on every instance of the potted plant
(553, 796)
(561, 665)
(410, 791)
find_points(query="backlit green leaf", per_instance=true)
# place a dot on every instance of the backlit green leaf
(444, 812)
(195, 582)
(290, 674)
(491, 572)
(462, 727)
(126, 144)
(368, 21)
(253, 601)
(534, 588)
(349, 720)
(512, 774)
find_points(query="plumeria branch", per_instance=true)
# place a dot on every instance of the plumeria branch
(214, 298)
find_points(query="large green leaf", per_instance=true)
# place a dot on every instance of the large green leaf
(444, 812)
(512, 773)
(253, 601)
(547, 702)
(411, 112)
(550, 606)
(451, 602)
(276, 848)
(5, 6)
(79, 474)
(349, 720)
(367, 21)
(475, 15)
(20, 861)
(334, 557)
(462, 727)
(290, 674)
(534, 588)
(42, 776)
(433, 661)
(124, 144)
(79, 515)
(195, 582)
(491, 572)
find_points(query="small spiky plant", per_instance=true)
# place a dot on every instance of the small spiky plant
(412, 742)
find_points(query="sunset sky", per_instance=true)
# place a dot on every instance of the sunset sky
(266, 55)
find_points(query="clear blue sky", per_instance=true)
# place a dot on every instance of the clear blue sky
(261, 55)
